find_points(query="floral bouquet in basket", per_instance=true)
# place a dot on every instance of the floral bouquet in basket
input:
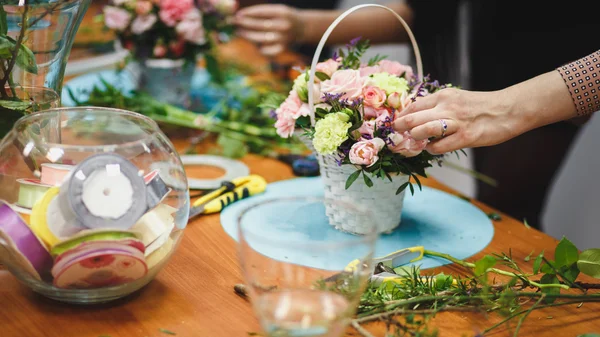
(170, 29)
(355, 106)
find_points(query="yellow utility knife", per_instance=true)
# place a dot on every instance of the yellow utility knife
(229, 192)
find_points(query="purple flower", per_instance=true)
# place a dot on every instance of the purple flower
(354, 41)
(273, 114)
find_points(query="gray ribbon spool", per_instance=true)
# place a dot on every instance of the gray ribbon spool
(156, 190)
(97, 163)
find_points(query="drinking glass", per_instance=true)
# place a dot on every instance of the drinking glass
(303, 277)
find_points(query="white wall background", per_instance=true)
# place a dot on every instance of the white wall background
(572, 206)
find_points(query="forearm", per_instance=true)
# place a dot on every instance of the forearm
(540, 101)
(374, 24)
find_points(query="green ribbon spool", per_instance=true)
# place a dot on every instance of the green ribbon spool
(30, 191)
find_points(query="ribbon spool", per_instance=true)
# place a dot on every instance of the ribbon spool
(95, 235)
(48, 221)
(154, 226)
(25, 250)
(98, 265)
(30, 191)
(157, 190)
(105, 191)
(54, 174)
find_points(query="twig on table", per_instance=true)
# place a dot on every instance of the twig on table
(360, 329)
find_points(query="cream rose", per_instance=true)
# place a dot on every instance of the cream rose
(374, 96)
(365, 152)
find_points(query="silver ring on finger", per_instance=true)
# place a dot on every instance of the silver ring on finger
(444, 127)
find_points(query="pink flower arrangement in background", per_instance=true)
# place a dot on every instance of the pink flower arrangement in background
(355, 106)
(169, 28)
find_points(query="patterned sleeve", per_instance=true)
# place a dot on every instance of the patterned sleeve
(582, 77)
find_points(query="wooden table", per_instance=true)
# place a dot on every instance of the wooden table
(193, 296)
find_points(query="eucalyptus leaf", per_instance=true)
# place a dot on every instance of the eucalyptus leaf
(352, 178)
(565, 254)
(538, 262)
(26, 60)
(5, 47)
(589, 262)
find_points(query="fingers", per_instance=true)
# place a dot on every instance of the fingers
(444, 145)
(262, 24)
(263, 11)
(423, 103)
(272, 50)
(438, 128)
(414, 119)
(262, 37)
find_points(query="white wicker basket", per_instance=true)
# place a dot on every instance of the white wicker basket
(381, 198)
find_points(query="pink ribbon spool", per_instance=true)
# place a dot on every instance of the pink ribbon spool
(99, 265)
(54, 174)
(25, 247)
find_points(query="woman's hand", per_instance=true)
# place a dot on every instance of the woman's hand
(272, 27)
(454, 119)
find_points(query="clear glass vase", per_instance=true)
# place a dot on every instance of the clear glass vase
(36, 37)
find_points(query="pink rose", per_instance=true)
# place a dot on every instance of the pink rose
(367, 128)
(143, 7)
(395, 68)
(347, 82)
(368, 71)
(365, 152)
(191, 28)
(285, 126)
(374, 96)
(116, 18)
(143, 23)
(159, 51)
(328, 67)
(293, 107)
(405, 144)
(172, 11)
(370, 112)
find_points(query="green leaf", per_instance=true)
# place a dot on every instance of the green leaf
(443, 282)
(167, 332)
(547, 268)
(589, 335)
(15, 105)
(570, 273)
(322, 76)
(550, 279)
(412, 189)
(485, 263)
(3, 22)
(402, 188)
(26, 60)
(5, 47)
(368, 180)
(538, 262)
(352, 178)
(526, 224)
(565, 254)
(589, 262)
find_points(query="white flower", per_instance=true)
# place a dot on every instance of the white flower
(116, 18)
(143, 23)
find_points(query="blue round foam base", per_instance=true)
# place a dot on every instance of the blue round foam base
(431, 218)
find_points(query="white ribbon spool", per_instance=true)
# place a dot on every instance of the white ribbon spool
(321, 45)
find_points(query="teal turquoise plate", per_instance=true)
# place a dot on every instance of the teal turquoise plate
(431, 218)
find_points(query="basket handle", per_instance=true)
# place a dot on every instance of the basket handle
(321, 45)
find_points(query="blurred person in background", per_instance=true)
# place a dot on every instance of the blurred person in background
(509, 42)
